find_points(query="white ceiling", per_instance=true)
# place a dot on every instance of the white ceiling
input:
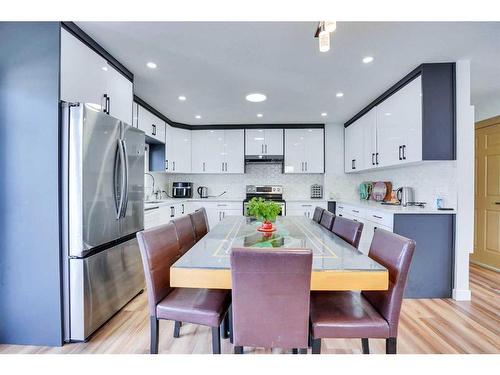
(215, 64)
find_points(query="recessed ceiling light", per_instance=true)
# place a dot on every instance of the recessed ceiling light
(197, 117)
(339, 94)
(256, 97)
(324, 114)
(259, 115)
(151, 65)
(367, 59)
(105, 68)
(182, 98)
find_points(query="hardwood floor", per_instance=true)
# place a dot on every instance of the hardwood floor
(426, 326)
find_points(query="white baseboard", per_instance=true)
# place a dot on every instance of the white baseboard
(485, 266)
(461, 294)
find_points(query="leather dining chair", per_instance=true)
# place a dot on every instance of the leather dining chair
(349, 230)
(318, 212)
(369, 314)
(327, 219)
(159, 250)
(199, 222)
(270, 298)
(185, 233)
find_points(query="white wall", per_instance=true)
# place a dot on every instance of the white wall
(487, 107)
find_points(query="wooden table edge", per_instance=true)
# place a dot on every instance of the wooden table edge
(329, 280)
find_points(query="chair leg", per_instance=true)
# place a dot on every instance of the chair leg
(316, 346)
(366, 346)
(225, 326)
(177, 329)
(216, 340)
(153, 349)
(391, 345)
(295, 351)
(238, 350)
(230, 321)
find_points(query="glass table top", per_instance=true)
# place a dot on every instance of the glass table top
(330, 252)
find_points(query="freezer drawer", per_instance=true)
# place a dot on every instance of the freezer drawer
(100, 285)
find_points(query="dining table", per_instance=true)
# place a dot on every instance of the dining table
(336, 265)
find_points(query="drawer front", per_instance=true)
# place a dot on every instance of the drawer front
(382, 218)
(354, 210)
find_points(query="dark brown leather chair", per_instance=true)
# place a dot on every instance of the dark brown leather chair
(364, 315)
(199, 221)
(185, 233)
(349, 230)
(318, 211)
(327, 219)
(270, 298)
(159, 250)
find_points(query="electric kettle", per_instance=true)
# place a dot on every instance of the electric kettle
(405, 195)
(202, 191)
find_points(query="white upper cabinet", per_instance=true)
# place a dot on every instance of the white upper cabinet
(153, 126)
(264, 142)
(217, 151)
(87, 77)
(389, 134)
(178, 150)
(304, 151)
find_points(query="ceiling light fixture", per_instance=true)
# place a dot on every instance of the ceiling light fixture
(367, 59)
(259, 115)
(197, 117)
(330, 26)
(324, 114)
(256, 97)
(325, 28)
(182, 98)
(151, 65)
(339, 94)
(105, 68)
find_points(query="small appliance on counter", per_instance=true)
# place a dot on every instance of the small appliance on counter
(381, 191)
(182, 190)
(365, 190)
(405, 195)
(316, 191)
(202, 191)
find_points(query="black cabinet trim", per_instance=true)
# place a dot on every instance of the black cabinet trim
(72, 28)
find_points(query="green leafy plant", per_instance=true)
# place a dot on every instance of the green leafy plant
(263, 210)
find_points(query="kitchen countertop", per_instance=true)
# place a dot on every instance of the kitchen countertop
(372, 205)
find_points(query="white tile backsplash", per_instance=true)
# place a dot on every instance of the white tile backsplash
(295, 186)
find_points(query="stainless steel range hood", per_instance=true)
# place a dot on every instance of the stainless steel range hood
(264, 159)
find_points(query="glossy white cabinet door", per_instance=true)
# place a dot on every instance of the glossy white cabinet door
(369, 131)
(208, 152)
(153, 126)
(178, 149)
(314, 151)
(273, 142)
(120, 92)
(234, 151)
(82, 72)
(254, 141)
(198, 151)
(294, 151)
(349, 147)
(412, 103)
(135, 114)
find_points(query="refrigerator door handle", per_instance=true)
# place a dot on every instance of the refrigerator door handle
(126, 172)
(123, 180)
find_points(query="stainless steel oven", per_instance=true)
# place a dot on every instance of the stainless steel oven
(268, 192)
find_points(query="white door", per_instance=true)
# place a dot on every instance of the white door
(294, 151)
(234, 151)
(82, 72)
(314, 151)
(120, 92)
(273, 142)
(254, 141)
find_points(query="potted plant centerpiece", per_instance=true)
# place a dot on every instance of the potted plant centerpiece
(265, 211)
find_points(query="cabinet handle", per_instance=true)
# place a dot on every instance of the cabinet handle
(226, 165)
(307, 205)
(404, 152)
(154, 129)
(203, 166)
(377, 217)
(182, 208)
(497, 202)
(399, 152)
(306, 165)
(166, 165)
(223, 214)
(353, 163)
(172, 212)
(262, 149)
(173, 165)
(108, 100)
(266, 149)
(355, 211)
(373, 158)
(302, 165)
(376, 158)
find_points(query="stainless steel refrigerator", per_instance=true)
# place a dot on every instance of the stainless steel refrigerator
(103, 191)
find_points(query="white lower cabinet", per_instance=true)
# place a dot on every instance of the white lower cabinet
(217, 211)
(305, 208)
(161, 215)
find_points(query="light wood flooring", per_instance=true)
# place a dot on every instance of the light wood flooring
(426, 326)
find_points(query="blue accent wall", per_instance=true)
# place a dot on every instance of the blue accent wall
(30, 271)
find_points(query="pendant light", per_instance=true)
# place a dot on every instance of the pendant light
(324, 38)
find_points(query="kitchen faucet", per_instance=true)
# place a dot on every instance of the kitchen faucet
(153, 177)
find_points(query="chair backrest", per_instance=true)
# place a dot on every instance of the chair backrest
(394, 252)
(199, 220)
(159, 250)
(349, 230)
(318, 211)
(185, 233)
(270, 297)
(327, 219)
